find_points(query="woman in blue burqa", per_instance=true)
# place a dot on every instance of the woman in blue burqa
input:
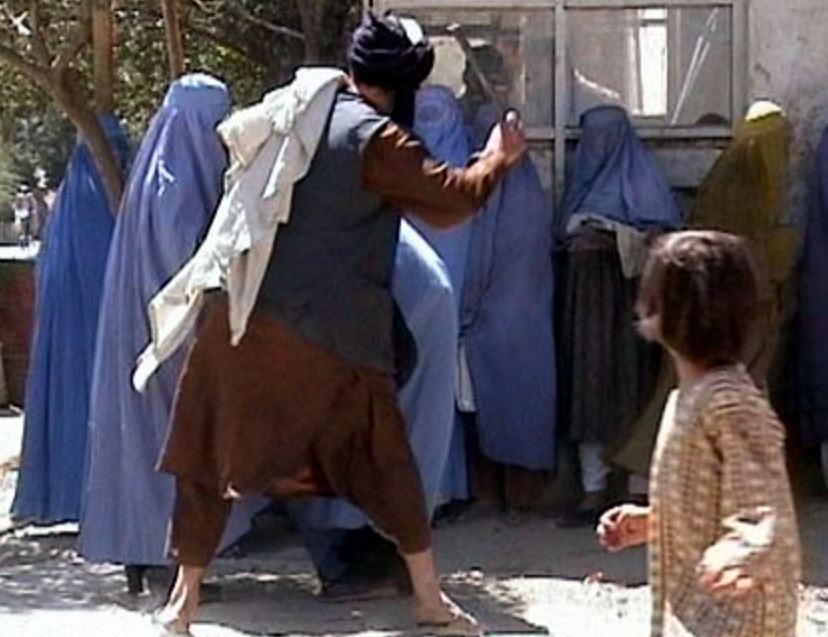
(508, 363)
(440, 124)
(70, 272)
(169, 201)
(616, 197)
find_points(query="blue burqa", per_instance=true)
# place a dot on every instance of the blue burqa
(506, 320)
(169, 201)
(439, 123)
(615, 176)
(812, 328)
(423, 293)
(70, 274)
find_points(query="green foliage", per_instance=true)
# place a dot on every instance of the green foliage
(9, 181)
(232, 39)
(33, 131)
(143, 73)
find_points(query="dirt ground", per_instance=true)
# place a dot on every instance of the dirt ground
(526, 580)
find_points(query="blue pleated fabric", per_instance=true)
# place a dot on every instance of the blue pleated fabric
(506, 320)
(70, 273)
(615, 176)
(169, 201)
(812, 324)
(439, 123)
(423, 293)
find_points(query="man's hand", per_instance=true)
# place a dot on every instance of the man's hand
(508, 138)
(623, 527)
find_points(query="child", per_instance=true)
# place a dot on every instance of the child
(724, 547)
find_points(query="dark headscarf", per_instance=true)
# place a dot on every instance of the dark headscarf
(382, 54)
(616, 177)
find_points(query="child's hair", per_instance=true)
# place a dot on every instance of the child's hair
(699, 295)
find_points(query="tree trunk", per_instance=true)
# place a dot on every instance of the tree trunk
(59, 80)
(66, 93)
(175, 44)
(310, 15)
(103, 47)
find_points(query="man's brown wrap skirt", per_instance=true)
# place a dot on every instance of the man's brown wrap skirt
(280, 416)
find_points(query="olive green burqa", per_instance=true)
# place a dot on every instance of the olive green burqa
(745, 194)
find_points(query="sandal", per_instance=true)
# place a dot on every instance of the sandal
(463, 625)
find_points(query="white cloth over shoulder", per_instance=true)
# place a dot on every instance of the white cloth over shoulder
(271, 147)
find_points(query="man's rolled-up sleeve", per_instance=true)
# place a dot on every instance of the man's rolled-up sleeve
(397, 167)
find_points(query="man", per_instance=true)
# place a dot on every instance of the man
(305, 404)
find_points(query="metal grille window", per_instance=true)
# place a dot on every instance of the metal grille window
(677, 66)
(668, 67)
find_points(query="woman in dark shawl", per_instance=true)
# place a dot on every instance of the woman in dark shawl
(617, 195)
(743, 194)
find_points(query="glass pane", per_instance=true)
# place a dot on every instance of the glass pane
(500, 57)
(666, 66)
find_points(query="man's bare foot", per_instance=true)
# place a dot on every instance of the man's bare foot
(181, 607)
(171, 622)
(446, 619)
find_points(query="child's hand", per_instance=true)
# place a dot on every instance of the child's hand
(721, 578)
(623, 526)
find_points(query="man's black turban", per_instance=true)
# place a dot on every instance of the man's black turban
(382, 54)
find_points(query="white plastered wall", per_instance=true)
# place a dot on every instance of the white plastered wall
(788, 62)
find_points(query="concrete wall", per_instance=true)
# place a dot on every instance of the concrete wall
(788, 62)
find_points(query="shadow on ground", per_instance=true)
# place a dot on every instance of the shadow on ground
(530, 579)
(43, 572)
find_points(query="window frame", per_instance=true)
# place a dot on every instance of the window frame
(561, 130)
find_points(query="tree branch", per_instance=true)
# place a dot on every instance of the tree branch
(309, 15)
(103, 55)
(227, 43)
(61, 84)
(273, 28)
(35, 73)
(202, 7)
(249, 17)
(175, 44)
(38, 43)
(67, 92)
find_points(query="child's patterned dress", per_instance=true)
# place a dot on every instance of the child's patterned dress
(719, 483)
